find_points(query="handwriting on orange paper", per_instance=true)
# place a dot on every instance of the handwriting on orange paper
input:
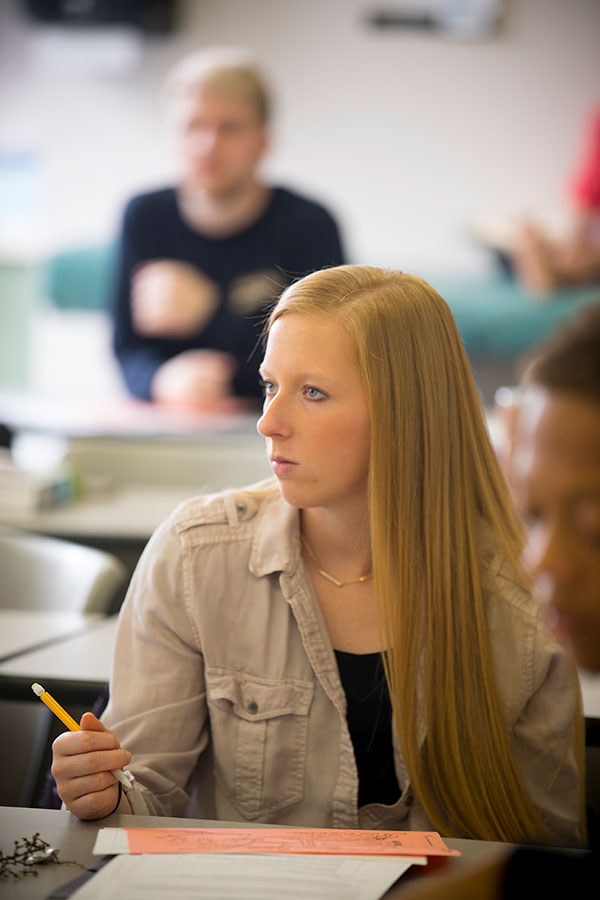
(356, 842)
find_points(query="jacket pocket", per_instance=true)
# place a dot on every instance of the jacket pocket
(259, 732)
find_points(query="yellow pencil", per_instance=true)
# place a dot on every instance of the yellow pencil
(55, 707)
(71, 724)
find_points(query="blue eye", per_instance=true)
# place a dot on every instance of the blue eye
(268, 387)
(314, 393)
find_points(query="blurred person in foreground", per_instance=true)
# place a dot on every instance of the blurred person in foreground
(555, 474)
(200, 261)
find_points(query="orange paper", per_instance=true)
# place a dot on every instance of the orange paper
(356, 842)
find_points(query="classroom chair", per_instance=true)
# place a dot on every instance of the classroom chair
(44, 573)
(80, 277)
(40, 572)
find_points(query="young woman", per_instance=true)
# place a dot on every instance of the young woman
(350, 644)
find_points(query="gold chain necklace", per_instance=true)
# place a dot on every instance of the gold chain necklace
(326, 575)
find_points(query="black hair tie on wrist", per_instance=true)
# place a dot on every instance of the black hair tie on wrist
(119, 795)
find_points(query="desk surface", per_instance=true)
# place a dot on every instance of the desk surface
(23, 629)
(75, 840)
(82, 658)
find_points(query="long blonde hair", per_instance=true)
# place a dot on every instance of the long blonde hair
(433, 482)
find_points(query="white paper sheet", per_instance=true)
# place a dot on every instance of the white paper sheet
(222, 876)
(110, 841)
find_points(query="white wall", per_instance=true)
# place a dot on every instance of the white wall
(406, 136)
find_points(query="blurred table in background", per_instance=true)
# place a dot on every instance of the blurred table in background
(137, 462)
(22, 630)
(75, 668)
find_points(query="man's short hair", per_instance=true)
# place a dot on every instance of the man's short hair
(230, 70)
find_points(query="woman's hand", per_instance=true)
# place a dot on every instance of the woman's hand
(81, 766)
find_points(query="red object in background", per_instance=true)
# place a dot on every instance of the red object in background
(585, 185)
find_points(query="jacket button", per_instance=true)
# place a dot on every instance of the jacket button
(252, 707)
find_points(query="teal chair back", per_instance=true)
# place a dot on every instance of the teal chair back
(80, 278)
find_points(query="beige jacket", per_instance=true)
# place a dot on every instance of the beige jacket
(226, 689)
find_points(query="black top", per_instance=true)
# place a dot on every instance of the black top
(369, 715)
(293, 236)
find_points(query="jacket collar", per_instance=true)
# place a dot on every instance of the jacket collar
(276, 544)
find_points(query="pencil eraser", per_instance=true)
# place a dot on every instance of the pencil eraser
(37, 689)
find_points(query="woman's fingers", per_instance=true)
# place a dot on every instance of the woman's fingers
(90, 722)
(88, 761)
(75, 788)
(72, 742)
(82, 767)
(94, 804)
